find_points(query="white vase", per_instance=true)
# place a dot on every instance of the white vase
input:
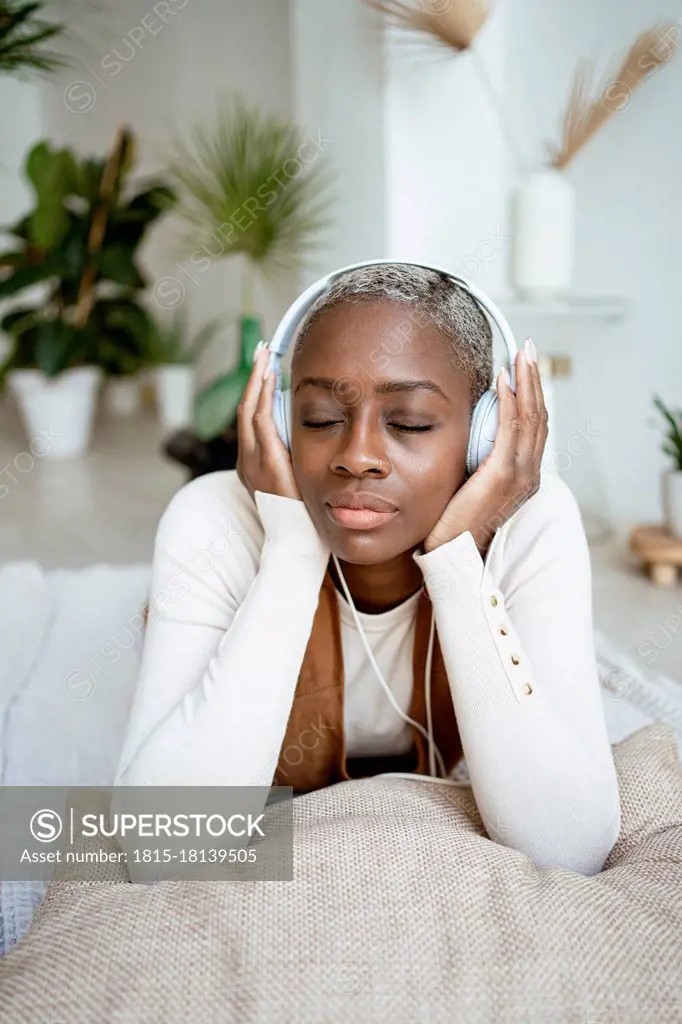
(671, 495)
(174, 385)
(122, 396)
(543, 235)
(57, 412)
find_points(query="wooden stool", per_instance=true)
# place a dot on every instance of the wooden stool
(661, 552)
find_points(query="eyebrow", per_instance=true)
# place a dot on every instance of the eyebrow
(389, 387)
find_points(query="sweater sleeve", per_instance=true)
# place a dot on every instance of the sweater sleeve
(225, 641)
(520, 658)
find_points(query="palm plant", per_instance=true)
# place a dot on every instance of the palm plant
(23, 35)
(238, 197)
(673, 437)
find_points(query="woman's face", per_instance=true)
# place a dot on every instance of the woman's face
(368, 371)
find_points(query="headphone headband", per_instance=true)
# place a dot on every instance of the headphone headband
(291, 320)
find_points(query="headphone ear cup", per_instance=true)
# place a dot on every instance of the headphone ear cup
(281, 415)
(484, 421)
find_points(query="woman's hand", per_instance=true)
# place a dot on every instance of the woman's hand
(511, 473)
(263, 463)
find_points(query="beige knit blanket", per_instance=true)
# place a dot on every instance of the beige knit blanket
(401, 910)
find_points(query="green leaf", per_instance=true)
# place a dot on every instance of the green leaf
(57, 346)
(20, 229)
(127, 315)
(24, 277)
(19, 15)
(53, 174)
(117, 264)
(89, 177)
(12, 259)
(150, 202)
(129, 221)
(38, 162)
(22, 36)
(48, 223)
(19, 320)
(69, 172)
(215, 406)
(122, 332)
(668, 415)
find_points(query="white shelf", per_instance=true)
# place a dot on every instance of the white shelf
(587, 310)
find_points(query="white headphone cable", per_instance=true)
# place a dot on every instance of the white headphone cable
(427, 735)
(427, 690)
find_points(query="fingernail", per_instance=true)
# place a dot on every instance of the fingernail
(257, 350)
(531, 353)
(504, 374)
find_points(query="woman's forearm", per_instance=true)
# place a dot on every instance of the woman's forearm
(219, 671)
(542, 785)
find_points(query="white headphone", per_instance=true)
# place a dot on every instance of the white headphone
(484, 418)
(484, 421)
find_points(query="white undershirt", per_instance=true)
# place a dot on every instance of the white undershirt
(372, 725)
(235, 587)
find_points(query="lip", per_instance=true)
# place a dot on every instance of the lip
(359, 518)
(360, 500)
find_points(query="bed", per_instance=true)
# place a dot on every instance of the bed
(401, 907)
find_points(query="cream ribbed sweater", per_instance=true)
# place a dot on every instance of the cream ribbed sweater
(234, 590)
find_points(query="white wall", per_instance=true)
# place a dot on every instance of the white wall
(338, 90)
(629, 226)
(20, 124)
(445, 157)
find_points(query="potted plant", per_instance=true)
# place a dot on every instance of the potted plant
(671, 480)
(244, 190)
(74, 260)
(174, 354)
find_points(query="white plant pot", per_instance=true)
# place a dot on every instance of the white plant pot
(174, 395)
(544, 235)
(57, 412)
(671, 494)
(123, 396)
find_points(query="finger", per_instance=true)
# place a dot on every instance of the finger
(533, 476)
(263, 423)
(504, 448)
(529, 429)
(526, 395)
(249, 402)
(543, 415)
(537, 386)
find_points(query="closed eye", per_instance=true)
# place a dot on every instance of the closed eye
(421, 428)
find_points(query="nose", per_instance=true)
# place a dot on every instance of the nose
(360, 453)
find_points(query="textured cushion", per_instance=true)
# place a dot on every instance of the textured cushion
(401, 910)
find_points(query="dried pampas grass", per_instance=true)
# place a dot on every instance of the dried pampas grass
(587, 113)
(450, 23)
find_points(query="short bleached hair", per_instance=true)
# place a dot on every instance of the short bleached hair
(431, 299)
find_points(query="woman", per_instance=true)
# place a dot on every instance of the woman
(253, 633)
